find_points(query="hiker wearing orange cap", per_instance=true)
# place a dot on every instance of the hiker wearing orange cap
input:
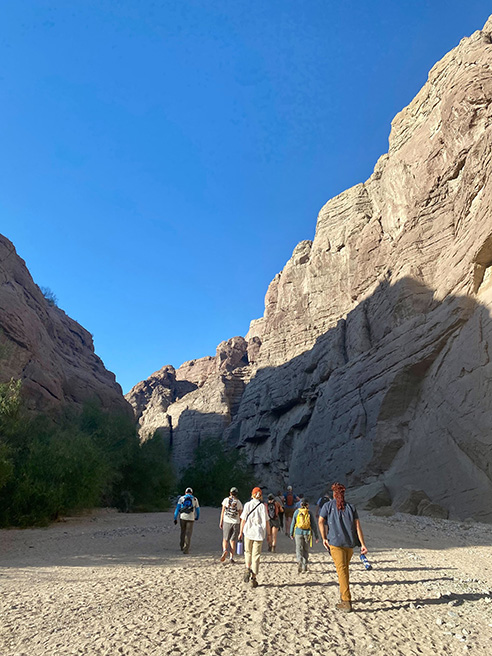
(255, 527)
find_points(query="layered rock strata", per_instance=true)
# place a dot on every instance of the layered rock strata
(196, 401)
(371, 362)
(39, 344)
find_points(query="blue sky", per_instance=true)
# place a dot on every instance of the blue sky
(161, 159)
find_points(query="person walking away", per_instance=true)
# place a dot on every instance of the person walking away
(324, 498)
(341, 531)
(290, 500)
(279, 499)
(255, 527)
(299, 502)
(230, 519)
(187, 510)
(273, 512)
(302, 528)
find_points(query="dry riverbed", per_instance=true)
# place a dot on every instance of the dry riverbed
(109, 583)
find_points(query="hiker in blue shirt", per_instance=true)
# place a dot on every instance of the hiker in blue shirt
(341, 531)
(188, 510)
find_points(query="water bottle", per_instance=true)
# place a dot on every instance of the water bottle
(240, 547)
(365, 562)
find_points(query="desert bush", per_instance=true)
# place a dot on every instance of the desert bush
(10, 400)
(9, 411)
(49, 296)
(215, 469)
(149, 477)
(86, 459)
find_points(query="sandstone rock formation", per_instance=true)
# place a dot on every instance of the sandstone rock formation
(196, 401)
(371, 362)
(52, 354)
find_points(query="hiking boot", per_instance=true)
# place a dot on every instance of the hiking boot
(247, 575)
(254, 582)
(223, 557)
(346, 606)
(299, 568)
(232, 561)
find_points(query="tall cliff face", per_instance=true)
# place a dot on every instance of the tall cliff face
(52, 354)
(371, 361)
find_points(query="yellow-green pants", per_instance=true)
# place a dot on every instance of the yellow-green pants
(341, 557)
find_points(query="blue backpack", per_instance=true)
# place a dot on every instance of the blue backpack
(187, 505)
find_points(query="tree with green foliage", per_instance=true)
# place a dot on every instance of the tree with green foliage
(84, 459)
(10, 400)
(9, 411)
(149, 477)
(215, 469)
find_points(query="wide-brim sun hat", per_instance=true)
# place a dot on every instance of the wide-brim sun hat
(255, 491)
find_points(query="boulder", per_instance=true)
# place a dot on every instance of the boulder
(408, 501)
(429, 509)
(370, 496)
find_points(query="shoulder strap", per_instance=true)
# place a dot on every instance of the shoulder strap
(251, 511)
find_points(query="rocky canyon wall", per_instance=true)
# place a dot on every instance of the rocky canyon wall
(39, 344)
(371, 361)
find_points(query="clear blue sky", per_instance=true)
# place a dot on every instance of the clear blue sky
(161, 159)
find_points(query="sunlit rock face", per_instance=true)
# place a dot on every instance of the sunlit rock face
(195, 402)
(371, 361)
(51, 353)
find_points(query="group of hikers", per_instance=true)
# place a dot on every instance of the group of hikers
(337, 525)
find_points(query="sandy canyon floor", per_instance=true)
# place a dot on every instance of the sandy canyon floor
(109, 583)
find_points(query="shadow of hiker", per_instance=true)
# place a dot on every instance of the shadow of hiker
(301, 584)
(452, 600)
(410, 569)
(400, 582)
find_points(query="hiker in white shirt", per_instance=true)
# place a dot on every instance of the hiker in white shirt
(229, 523)
(255, 527)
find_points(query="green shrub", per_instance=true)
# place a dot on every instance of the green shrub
(149, 478)
(6, 465)
(87, 459)
(49, 296)
(10, 401)
(215, 469)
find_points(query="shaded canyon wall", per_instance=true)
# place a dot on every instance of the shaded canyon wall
(371, 361)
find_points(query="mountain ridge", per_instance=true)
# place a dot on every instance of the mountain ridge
(49, 352)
